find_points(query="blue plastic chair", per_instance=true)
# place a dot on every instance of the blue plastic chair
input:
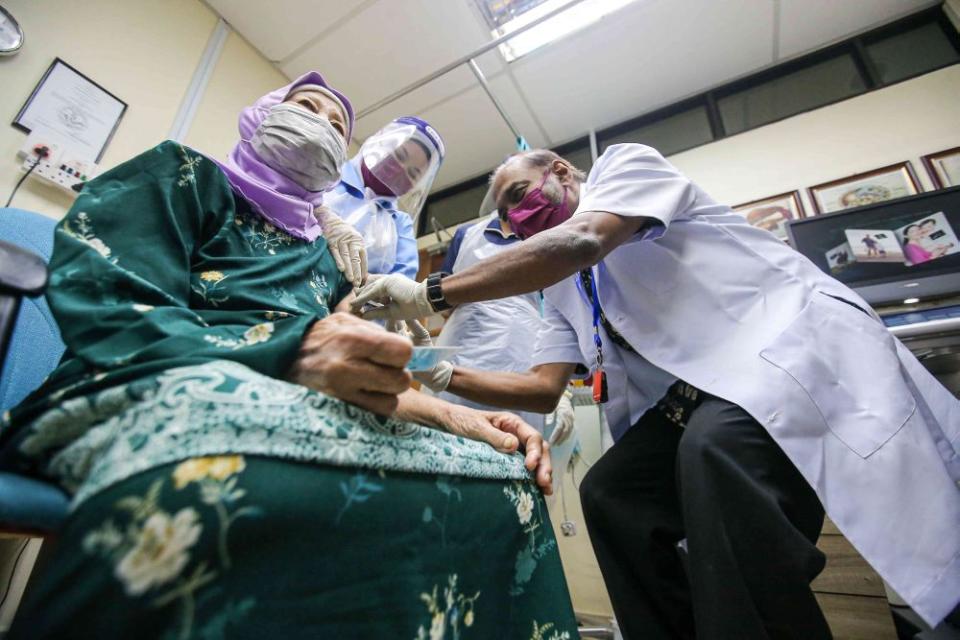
(29, 506)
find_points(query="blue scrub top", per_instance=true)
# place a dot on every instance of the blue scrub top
(351, 196)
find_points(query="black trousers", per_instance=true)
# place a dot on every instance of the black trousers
(750, 520)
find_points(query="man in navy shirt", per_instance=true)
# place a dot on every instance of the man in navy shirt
(495, 335)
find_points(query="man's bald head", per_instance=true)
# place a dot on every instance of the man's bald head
(524, 171)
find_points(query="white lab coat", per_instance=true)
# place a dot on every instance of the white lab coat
(495, 335)
(734, 311)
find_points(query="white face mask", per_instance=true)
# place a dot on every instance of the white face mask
(301, 145)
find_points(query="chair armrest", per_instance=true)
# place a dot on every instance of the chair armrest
(22, 272)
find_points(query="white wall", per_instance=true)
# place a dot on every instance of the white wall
(143, 52)
(901, 122)
(240, 77)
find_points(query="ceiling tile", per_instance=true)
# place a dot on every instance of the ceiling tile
(279, 27)
(476, 137)
(646, 56)
(387, 48)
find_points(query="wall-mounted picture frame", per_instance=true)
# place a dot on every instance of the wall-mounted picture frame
(944, 167)
(69, 106)
(886, 183)
(773, 213)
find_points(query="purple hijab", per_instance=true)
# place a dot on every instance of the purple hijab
(276, 197)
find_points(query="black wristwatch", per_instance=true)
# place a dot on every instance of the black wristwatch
(435, 293)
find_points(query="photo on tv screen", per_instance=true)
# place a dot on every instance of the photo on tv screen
(928, 237)
(881, 248)
(874, 245)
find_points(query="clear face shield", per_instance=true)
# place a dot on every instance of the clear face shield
(404, 157)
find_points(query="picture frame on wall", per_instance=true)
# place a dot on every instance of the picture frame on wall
(944, 167)
(72, 108)
(773, 213)
(886, 183)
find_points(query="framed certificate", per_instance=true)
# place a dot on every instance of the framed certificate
(773, 213)
(886, 183)
(73, 108)
(944, 167)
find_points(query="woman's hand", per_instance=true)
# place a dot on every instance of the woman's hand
(345, 244)
(354, 360)
(504, 432)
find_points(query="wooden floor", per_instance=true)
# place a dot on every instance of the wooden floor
(850, 592)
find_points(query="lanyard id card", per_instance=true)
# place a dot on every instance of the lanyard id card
(599, 385)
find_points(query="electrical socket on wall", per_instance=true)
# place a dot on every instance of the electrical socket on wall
(62, 167)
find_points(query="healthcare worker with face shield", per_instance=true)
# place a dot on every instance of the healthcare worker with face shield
(398, 162)
(747, 392)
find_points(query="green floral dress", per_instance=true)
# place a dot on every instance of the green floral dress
(212, 499)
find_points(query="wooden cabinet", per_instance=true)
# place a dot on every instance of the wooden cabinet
(850, 592)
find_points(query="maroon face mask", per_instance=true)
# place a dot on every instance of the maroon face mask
(536, 212)
(373, 182)
(391, 176)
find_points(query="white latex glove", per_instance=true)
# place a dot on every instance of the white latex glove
(401, 297)
(346, 245)
(419, 334)
(398, 327)
(438, 378)
(563, 419)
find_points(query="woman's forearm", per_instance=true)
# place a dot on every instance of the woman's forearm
(414, 406)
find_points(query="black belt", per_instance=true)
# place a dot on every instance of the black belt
(680, 401)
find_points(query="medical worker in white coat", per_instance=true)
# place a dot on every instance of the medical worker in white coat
(495, 335)
(746, 388)
(397, 162)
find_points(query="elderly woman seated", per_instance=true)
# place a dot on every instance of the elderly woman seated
(241, 460)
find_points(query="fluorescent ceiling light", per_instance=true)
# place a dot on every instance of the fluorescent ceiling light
(563, 24)
(911, 301)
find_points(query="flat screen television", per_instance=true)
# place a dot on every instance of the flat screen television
(889, 252)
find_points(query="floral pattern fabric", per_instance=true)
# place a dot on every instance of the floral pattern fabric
(91, 442)
(159, 266)
(202, 549)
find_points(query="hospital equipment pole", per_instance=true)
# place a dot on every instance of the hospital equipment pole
(521, 141)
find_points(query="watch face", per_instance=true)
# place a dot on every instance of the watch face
(435, 293)
(11, 36)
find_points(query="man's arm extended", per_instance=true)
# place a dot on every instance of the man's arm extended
(543, 260)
